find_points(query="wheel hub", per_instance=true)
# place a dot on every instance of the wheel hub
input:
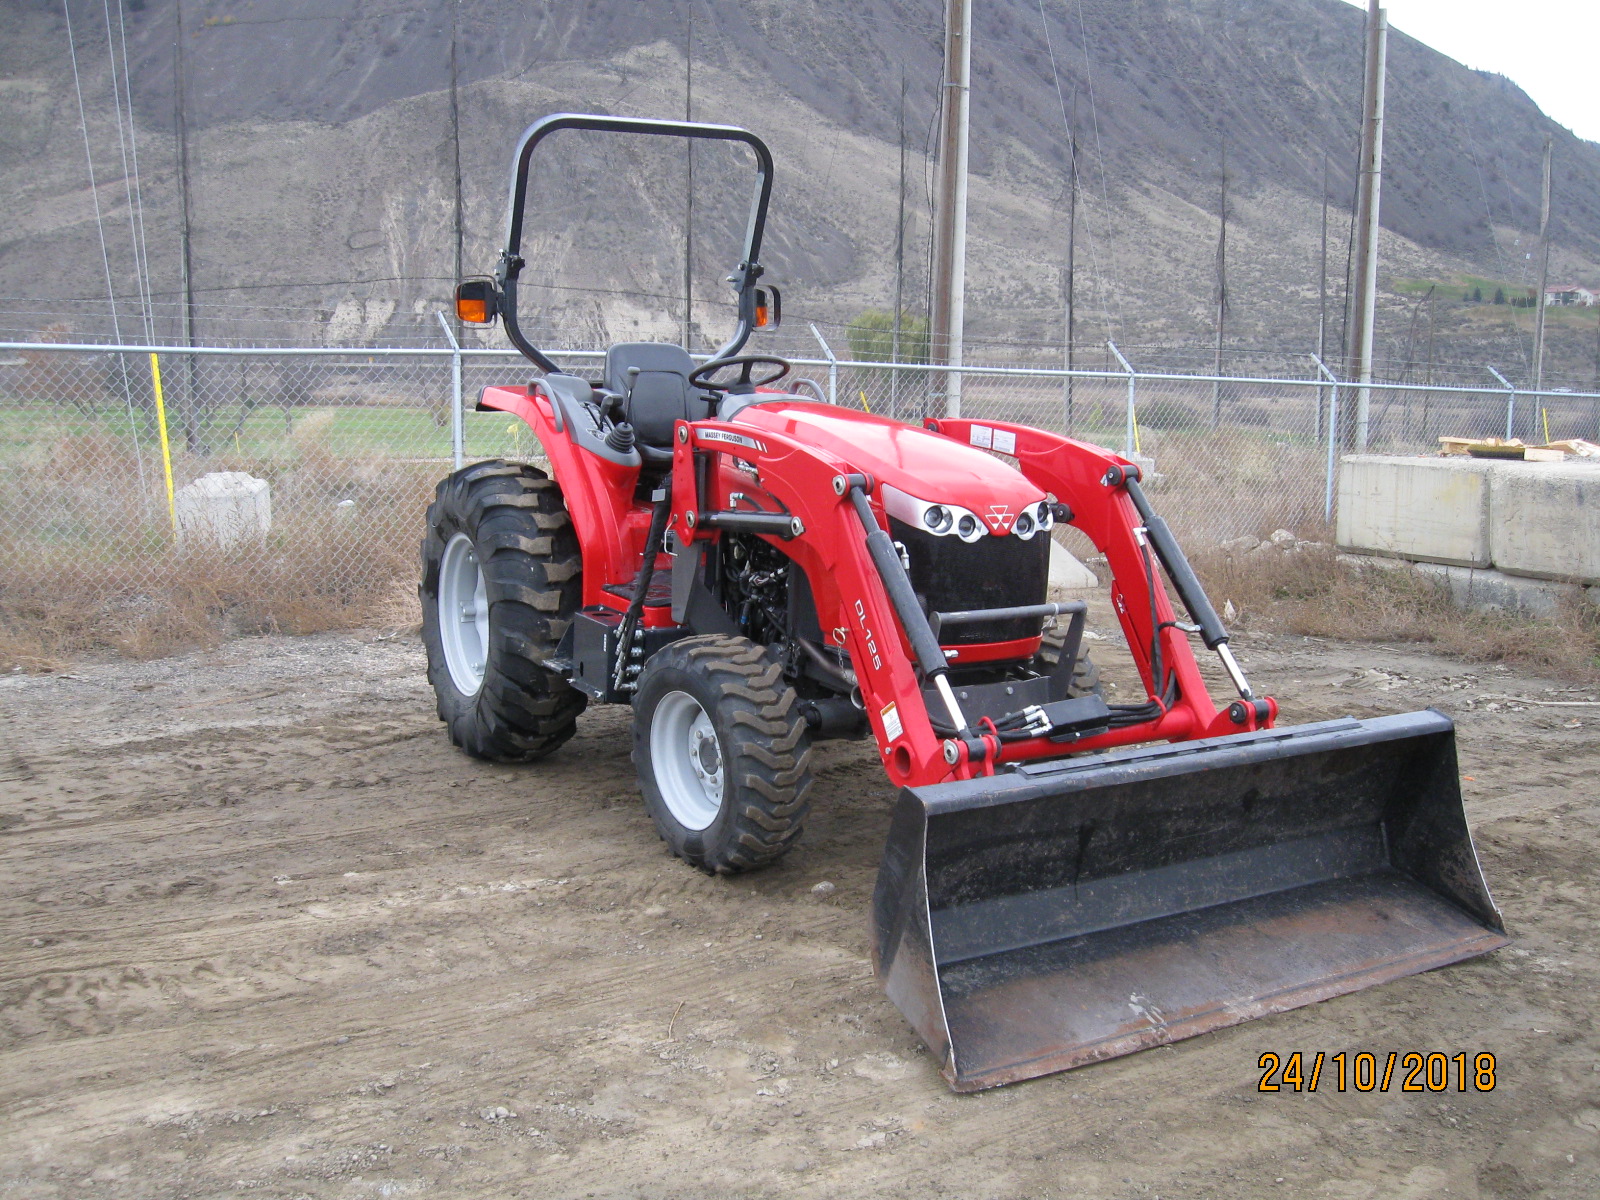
(686, 760)
(463, 615)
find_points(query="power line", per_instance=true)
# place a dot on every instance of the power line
(105, 254)
(1100, 160)
(130, 173)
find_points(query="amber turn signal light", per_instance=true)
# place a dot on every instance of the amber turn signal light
(477, 301)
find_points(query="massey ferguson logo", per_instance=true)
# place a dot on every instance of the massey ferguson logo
(999, 517)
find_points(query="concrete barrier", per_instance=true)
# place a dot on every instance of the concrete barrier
(222, 509)
(1546, 520)
(1427, 509)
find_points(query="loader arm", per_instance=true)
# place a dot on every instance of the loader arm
(1093, 482)
(856, 611)
(852, 607)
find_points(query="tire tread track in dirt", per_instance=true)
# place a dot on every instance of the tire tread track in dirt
(267, 933)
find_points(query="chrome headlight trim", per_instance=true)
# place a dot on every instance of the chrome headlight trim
(903, 506)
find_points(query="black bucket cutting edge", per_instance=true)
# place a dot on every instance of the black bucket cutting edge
(1072, 911)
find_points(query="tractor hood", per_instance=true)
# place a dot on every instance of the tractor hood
(923, 465)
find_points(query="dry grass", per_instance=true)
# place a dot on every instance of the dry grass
(60, 610)
(1310, 592)
(90, 566)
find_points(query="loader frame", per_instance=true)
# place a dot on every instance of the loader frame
(849, 590)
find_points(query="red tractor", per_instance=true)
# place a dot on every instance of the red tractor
(1065, 879)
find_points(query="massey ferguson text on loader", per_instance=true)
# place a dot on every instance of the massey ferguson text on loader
(1065, 879)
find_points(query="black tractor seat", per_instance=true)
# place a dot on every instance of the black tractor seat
(660, 394)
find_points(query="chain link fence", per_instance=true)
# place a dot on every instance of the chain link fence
(350, 444)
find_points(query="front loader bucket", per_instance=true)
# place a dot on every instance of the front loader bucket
(1079, 909)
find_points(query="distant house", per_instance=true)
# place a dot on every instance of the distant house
(1569, 294)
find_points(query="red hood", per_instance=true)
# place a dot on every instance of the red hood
(926, 465)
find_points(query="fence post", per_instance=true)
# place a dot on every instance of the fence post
(833, 364)
(457, 421)
(1128, 430)
(1333, 433)
(1511, 400)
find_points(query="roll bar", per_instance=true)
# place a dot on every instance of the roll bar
(511, 261)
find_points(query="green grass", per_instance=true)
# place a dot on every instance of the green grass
(36, 433)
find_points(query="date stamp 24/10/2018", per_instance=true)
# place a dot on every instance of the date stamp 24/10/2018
(1401, 1071)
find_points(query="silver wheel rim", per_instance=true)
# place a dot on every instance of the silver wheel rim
(463, 615)
(687, 760)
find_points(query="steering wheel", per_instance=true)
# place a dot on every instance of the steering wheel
(700, 377)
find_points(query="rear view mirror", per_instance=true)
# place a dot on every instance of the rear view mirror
(769, 308)
(477, 301)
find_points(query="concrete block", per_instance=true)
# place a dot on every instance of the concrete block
(1067, 573)
(1546, 520)
(1374, 561)
(1430, 509)
(1497, 590)
(223, 509)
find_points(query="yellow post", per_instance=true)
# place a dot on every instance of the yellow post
(166, 445)
(1546, 413)
(867, 407)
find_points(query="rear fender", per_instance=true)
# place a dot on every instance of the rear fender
(611, 529)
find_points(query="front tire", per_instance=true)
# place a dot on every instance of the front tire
(1085, 675)
(723, 754)
(501, 578)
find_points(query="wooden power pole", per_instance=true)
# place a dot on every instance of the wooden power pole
(1367, 208)
(950, 202)
(688, 202)
(1222, 292)
(1544, 271)
(1322, 293)
(1069, 281)
(899, 260)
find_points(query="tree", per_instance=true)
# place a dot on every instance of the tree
(871, 337)
(1499, 295)
(1477, 295)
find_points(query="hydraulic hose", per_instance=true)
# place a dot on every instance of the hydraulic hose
(641, 582)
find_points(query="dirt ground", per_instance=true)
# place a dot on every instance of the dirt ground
(267, 935)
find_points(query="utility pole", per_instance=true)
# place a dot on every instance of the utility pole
(1426, 396)
(1069, 282)
(1367, 210)
(899, 260)
(1322, 294)
(688, 213)
(455, 140)
(1222, 291)
(192, 434)
(1544, 271)
(950, 201)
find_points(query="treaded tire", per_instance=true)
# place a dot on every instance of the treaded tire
(1085, 675)
(763, 742)
(528, 553)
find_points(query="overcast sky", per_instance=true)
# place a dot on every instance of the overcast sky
(1548, 48)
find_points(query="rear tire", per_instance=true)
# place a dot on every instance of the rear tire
(723, 754)
(1085, 675)
(501, 578)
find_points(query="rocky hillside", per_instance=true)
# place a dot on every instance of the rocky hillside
(322, 149)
